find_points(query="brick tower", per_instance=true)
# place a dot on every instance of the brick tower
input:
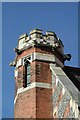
(33, 77)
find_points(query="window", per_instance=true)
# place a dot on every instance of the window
(27, 74)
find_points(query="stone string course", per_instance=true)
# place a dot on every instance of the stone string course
(50, 94)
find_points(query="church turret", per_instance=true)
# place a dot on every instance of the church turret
(38, 56)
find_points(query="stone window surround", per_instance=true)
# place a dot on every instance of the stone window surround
(39, 56)
(27, 81)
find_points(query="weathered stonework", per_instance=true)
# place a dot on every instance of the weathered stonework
(50, 94)
(67, 101)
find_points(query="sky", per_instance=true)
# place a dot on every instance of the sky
(1, 60)
(19, 18)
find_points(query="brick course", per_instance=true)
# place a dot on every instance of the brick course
(36, 102)
(41, 102)
(25, 106)
(46, 96)
(44, 103)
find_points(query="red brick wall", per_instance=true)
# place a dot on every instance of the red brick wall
(67, 110)
(25, 106)
(40, 72)
(36, 102)
(41, 50)
(38, 69)
(44, 103)
(31, 50)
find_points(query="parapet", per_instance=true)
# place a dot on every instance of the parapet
(48, 41)
(23, 36)
(37, 31)
(36, 37)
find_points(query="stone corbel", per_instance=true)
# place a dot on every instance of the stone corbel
(17, 51)
(67, 57)
(12, 64)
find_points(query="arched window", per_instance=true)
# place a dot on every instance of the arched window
(27, 74)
